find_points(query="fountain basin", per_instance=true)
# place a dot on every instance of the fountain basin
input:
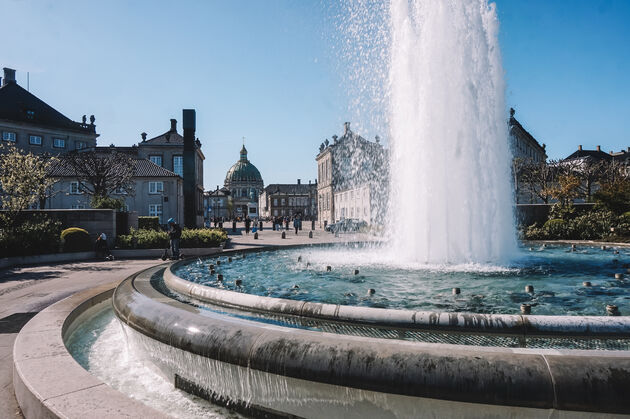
(309, 373)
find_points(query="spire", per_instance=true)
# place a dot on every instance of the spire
(243, 153)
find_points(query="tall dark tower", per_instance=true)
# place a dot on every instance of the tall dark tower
(190, 170)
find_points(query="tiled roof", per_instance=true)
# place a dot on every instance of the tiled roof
(173, 139)
(143, 168)
(291, 188)
(19, 105)
(592, 154)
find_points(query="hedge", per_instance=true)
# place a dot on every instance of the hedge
(36, 236)
(151, 239)
(149, 223)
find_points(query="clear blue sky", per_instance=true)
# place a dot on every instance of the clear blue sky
(268, 71)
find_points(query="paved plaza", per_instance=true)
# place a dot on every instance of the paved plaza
(25, 291)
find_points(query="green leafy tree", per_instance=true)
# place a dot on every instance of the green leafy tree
(24, 180)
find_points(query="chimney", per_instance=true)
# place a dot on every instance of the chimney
(9, 76)
(309, 181)
(173, 125)
(580, 147)
(346, 128)
(144, 136)
(599, 148)
(299, 181)
(628, 150)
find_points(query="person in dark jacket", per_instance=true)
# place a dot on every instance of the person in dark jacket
(101, 247)
(248, 223)
(174, 234)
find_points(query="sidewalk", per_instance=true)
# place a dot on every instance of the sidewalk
(26, 291)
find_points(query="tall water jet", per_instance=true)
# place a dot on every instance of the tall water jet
(451, 196)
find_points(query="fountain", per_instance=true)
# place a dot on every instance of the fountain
(445, 319)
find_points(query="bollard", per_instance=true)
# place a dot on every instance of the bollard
(356, 272)
(618, 276)
(212, 271)
(526, 308)
(233, 226)
(371, 291)
(531, 249)
(456, 291)
(284, 235)
(529, 289)
(260, 225)
(256, 236)
(573, 248)
(310, 234)
(328, 268)
(220, 278)
(603, 247)
(300, 258)
(238, 282)
(230, 259)
(218, 262)
(612, 310)
(616, 252)
(586, 283)
(312, 224)
(211, 266)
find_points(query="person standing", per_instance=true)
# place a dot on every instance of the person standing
(296, 224)
(174, 234)
(248, 223)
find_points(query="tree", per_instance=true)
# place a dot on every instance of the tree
(615, 195)
(100, 173)
(566, 189)
(24, 180)
(589, 171)
(537, 177)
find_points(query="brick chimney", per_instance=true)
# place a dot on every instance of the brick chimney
(173, 125)
(599, 148)
(299, 181)
(580, 147)
(9, 76)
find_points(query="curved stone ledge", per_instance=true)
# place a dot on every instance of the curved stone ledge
(507, 324)
(49, 383)
(564, 380)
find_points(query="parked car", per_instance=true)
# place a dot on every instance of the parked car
(348, 224)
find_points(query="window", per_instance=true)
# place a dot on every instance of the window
(74, 188)
(9, 136)
(59, 143)
(156, 187)
(35, 140)
(78, 145)
(156, 159)
(275, 213)
(283, 202)
(155, 210)
(275, 203)
(243, 193)
(30, 114)
(252, 210)
(178, 165)
(120, 191)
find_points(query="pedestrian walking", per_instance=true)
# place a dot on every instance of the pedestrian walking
(248, 223)
(174, 234)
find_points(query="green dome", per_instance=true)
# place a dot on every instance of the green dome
(243, 171)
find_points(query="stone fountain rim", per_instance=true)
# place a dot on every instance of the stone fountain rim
(507, 324)
(532, 378)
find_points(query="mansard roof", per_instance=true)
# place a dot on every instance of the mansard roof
(19, 105)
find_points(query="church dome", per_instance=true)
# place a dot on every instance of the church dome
(243, 171)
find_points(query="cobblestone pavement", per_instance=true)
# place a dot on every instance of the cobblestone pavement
(25, 291)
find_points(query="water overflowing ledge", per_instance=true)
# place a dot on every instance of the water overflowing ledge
(250, 354)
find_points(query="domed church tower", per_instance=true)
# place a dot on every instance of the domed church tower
(245, 184)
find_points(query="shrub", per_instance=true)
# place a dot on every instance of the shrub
(75, 239)
(35, 236)
(203, 237)
(151, 239)
(556, 228)
(149, 223)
